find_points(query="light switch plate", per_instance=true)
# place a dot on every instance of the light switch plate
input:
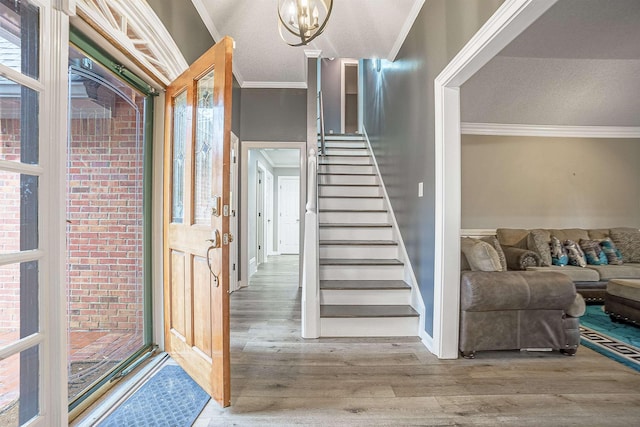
(420, 189)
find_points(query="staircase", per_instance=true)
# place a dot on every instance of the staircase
(362, 291)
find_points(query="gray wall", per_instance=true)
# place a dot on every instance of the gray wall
(331, 94)
(273, 115)
(530, 182)
(399, 119)
(184, 24)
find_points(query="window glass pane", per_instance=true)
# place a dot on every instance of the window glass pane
(19, 212)
(180, 129)
(19, 388)
(18, 301)
(105, 286)
(20, 36)
(203, 153)
(18, 122)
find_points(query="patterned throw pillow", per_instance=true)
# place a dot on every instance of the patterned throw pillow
(538, 241)
(558, 252)
(628, 241)
(593, 252)
(614, 257)
(493, 241)
(576, 256)
(480, 255)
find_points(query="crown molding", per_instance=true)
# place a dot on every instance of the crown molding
(215, 34)
(404, 31)
(500, 129)
(274, 85)
(312, 53)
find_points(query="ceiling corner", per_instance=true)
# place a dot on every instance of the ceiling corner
(404, 31)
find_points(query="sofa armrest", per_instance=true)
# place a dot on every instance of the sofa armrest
(520, 259)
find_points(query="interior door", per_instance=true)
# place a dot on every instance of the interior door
(233, 217)
(196, 220)
(289, 214)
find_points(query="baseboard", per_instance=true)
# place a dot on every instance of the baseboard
(427, 341)
(417, 302)
(253, 266)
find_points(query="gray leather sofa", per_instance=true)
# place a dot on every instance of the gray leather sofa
(508, 310)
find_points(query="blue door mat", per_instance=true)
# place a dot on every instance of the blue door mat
(169, 398)
(618, 341)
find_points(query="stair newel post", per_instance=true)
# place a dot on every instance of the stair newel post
(310, 268)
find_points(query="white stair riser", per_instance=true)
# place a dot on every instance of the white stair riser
(350, 204)
(347, 179)
(358, 160)
(344, 190)
(359, 252)
(344, 144)
(361, 272)
(352, 169)
(369, 327)
(365, 297)
(356, 233)
(354, 217)
(338, 151)
(331, 137)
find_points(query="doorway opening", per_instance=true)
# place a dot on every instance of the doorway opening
(349, 96)
(273, 218)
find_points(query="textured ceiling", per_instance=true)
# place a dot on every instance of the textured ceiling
(578, 65)
(356, 29)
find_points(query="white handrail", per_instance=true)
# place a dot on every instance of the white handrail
(310, 268)
(321, 118)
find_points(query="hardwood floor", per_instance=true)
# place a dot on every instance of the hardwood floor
(280, 379)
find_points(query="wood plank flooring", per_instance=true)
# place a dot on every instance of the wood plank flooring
(279, 379)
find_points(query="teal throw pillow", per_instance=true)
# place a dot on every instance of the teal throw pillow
(614, 257)
(593, 252)
(576, 256)
(558, 252)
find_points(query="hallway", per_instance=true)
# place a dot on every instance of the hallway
(280, 379)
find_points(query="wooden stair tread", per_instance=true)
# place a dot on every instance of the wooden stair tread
(350, 197)
(349, 185)
(345, 164)
(367, 311)
(353, 210)
(364, 261)
(345, 173)
(361, 225)
(364, 284)
(358, 242)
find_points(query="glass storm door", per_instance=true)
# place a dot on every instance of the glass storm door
(196, 240)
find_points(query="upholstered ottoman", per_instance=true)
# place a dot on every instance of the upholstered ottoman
(622, 300)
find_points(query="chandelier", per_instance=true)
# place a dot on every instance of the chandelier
(301, 21)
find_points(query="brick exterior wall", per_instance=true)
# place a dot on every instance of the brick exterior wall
(105, 233)
(105, 283)
(9, 226)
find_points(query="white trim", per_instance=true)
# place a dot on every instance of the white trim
(503, 129)
(268, 158)
(477, 232)
(18, 257)
(267, 213)
(513, 17)
(17, 77)
(22, 168)
(312, 53)
(343, 96)
(157, 221)
(404, 31)
(260, 209)
(300, 194)
(244, 148)
(253, 266)
(417, 302)
(274, 85)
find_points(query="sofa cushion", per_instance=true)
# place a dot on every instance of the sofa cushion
(558, 252)
(613, 254)
(538, 241)
(516, 237)
(628, 241)
(493, 241)
(577, 274)
(628, 289)
(624, 271)
(576, 256)
(593, 252)
(574, 234)
(598, 233)
(480, 255)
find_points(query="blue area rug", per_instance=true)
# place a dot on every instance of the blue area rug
(170, 398)
(618, 341)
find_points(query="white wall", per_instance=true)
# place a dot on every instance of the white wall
(528, 182)
(254, 157)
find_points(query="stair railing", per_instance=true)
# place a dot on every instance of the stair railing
(321, 118)
(310, 267)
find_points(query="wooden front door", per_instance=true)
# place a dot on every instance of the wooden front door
(196, 220)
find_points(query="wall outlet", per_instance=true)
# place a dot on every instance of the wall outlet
(420, 189)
